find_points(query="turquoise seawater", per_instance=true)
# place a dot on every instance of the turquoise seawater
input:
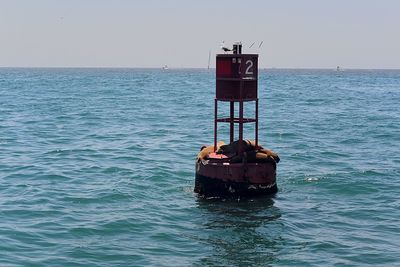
(97, 169)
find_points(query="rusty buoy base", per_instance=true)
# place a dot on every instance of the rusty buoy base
(216, 179)
(211, 187)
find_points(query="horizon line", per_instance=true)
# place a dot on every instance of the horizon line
(183, 68)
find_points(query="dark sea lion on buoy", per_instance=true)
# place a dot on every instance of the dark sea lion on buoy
(233, 148)
(253, 153)
(207, 150)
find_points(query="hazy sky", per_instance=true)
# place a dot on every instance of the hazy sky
(180, 33)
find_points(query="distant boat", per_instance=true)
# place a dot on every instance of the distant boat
(165, 67)
(338, 68)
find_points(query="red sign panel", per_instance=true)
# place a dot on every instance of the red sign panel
(237, 66)
(224, 67)
(249, 67)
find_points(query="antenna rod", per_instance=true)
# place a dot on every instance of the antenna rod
(209, 57)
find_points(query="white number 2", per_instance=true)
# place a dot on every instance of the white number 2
(249, 69)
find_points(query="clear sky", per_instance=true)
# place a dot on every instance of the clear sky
(180, 33)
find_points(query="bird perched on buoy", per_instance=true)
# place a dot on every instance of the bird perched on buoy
(224, 48)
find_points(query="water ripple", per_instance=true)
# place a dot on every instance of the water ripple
(97, 169)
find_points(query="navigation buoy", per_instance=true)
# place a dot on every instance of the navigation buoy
(242, 167)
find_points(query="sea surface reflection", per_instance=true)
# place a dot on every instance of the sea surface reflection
(240, 233)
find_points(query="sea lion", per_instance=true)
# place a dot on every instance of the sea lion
(233, 148)
(207, 150)
(254, 156)
(252, 153)
(269, 153)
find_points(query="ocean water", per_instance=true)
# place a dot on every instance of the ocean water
(97, 169)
